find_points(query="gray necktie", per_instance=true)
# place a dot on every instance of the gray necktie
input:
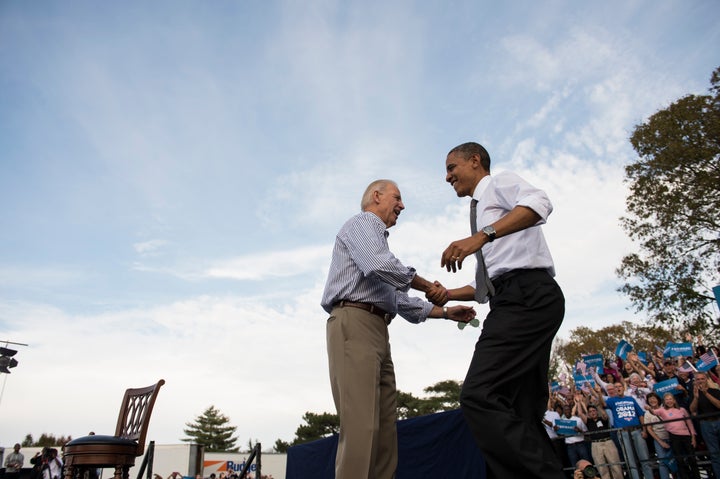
(483, 286)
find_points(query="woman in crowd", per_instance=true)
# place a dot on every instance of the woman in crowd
(661, 437)
(682, 435)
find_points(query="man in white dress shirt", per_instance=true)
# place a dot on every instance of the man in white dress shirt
(505, 391)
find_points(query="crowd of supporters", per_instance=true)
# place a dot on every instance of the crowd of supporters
(648, 415)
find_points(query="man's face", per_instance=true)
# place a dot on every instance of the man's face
(390, 205)
(462, 173)
(592, 413)
(611, 390)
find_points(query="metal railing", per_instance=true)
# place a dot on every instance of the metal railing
(701, 456)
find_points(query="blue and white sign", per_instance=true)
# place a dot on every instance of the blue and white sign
(622, 349)
(594, 361)
(667, 386)
(566, 427)
(583, 381)
(673, 350)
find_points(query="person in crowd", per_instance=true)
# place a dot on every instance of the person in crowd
(669, 370)
(575, 444)
(504, 394)
(585, 469)
(14, 463)
(366, 287)
(660, 436)
(49, 464)
(682, 436)
(611, 367)
(628, 415)
(553, 412)
(685, 380)
(706, 404)
(637, 389)
(602, 448)
(639, 367)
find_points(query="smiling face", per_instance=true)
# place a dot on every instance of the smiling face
(388, 204)
(464, 172)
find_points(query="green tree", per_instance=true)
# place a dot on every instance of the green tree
(443, 396)
(212, 430)
(45, 440)
(316, 426)
(674, 213)
(584, 340)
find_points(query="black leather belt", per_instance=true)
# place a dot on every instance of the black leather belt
(371, 308)
(601, 440)
(514, 272)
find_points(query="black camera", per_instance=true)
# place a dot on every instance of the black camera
(590, 471)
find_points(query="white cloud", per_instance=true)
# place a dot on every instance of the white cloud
(149, 247)
(270, 264)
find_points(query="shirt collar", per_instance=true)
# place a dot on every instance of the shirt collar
(481, 187)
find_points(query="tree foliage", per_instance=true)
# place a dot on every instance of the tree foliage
(444, 396)
(316, 426)
(584, 340)
(212, 430)
(45, 440)
(674, 212)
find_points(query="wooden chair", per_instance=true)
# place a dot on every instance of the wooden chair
(87, 454)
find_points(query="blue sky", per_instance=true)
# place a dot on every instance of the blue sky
(173, 174)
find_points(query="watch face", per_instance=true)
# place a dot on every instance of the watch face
(490, 231)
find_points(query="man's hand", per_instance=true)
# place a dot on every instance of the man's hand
(437, 294)
(453, 256)
(461, 314)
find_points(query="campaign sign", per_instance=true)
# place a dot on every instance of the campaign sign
(566, 427)
(595, 361)
(622, 349)
(581, 381)
(673, 350)
(703, 365)
(642, 356)
(667, 386)
(554, 386)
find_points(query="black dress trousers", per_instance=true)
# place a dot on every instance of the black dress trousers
(505, 393)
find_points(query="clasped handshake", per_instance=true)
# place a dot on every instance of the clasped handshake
(437, 294)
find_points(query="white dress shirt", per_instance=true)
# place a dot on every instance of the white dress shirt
(525, 249)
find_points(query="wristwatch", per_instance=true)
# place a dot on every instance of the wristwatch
(490, 232)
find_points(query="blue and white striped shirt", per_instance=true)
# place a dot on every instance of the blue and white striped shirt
(364, 270)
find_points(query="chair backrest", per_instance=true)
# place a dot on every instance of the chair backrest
(135, 411)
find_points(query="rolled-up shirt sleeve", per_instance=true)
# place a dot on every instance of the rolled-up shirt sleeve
(412, 308)
(514, 191)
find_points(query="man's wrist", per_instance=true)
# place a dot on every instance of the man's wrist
(445, 312)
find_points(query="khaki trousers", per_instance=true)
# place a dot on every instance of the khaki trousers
(603, 453)
(362, 378)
